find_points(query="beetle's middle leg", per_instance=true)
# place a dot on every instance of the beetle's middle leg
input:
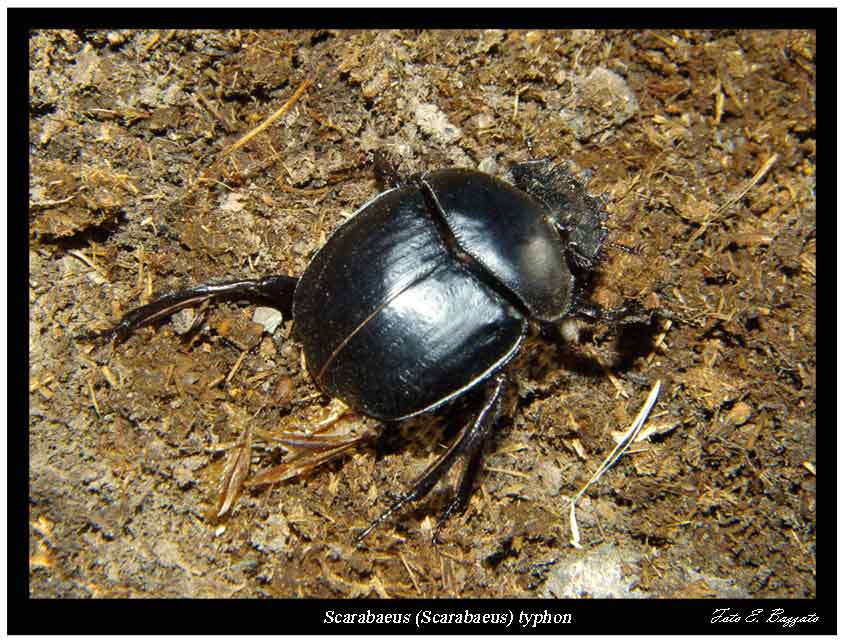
(470, 443)
(275, 289)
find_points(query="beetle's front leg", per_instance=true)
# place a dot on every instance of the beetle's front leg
(631, 312)
(275, 289)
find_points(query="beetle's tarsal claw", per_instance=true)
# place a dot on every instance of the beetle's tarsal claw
(456, 506)
(383, 516)
(435, 538)
(89, 337)
(118, 332)
(638, 250)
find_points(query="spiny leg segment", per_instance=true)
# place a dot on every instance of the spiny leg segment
(276, 289)
(469, 442)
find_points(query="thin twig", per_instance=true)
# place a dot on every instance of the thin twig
(410, 572)
(250, 135)
(758, 176)
(613, 457)
(269, 121)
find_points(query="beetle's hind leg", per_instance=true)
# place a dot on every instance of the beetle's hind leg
(470, 443)
(275, 289)
(460, 501)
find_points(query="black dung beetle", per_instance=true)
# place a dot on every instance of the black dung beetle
(426, 293)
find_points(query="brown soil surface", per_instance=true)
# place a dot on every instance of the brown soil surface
(704, 143)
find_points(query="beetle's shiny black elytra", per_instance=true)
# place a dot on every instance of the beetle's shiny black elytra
(395, 313)
(426, 293)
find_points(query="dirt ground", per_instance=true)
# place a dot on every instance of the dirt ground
(704, 143)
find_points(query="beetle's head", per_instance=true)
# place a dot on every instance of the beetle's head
(578, 216)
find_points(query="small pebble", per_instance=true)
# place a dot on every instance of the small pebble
(569, 330)
(739, 414)
(183, 321)
(488, 165)
(270, 318)
(116, 38)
